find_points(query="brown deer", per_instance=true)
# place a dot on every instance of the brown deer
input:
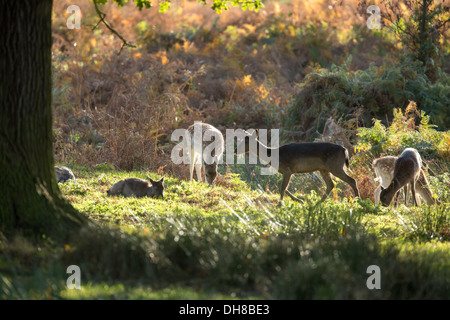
(327, 158)
(199, 156)
(134, 187)
(407, 169)
(384, 170)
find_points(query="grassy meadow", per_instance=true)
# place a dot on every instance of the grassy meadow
(234, 242)
(290, 66)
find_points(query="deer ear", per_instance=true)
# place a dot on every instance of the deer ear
(381, 188)
(151, 180)
(162, 179)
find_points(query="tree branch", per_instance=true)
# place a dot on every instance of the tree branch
(102, 16)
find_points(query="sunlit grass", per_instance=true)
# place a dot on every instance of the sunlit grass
(231, 241)
(120, 291)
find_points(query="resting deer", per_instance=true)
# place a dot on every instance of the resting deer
(134, 187)
(198, 157)
(305, 157)
(407, 169)
(384, 170)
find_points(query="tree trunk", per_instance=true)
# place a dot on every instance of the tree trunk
(30, 200)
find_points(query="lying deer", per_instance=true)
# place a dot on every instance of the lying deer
(305, 157)
(407, 170)
(384, 170)
(198, 155)
(134, 187)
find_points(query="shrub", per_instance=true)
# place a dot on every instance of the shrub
(403, 133)
(374, 92)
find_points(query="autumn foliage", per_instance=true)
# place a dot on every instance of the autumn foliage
(234, 70)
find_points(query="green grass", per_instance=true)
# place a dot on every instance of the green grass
(232, 241)
(121, 291)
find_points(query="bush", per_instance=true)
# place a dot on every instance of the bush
(404, 133)
(372, 93)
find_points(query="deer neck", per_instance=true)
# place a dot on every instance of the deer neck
(396, 185)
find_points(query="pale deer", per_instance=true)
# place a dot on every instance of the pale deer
(327, 158)
(334, 133)
(204, 152)
(407, 169)
(384, 170)
(134, 187)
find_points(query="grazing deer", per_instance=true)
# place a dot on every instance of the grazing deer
(384, 170)
(407, 168)
(199, 156)
(134, 187)
(63, 174)
(305, 157)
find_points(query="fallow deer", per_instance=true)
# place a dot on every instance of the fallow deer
(334, 133)
(199, 157)
(407, 168)
(134, 187)
(384, 170)
(327, 158)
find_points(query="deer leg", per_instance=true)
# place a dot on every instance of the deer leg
(198, 169)
(191, 167)
(346, 178)
(406, 189)
(198, 166)
(330, 185)
(284, 185)
(287, 191)
(396, 198)
(377, 194)
(418, 199)
(424, 192)
(204, 172)
(413, 191)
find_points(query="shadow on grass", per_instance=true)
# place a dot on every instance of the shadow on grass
(208, 258)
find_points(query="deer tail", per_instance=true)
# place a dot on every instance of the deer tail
(347, 162)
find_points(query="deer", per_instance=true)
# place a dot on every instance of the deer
(333, 132)
(407, 169)
(135, 187)
(63, 174)
(199, 156)
(384, 170)
(327, 158)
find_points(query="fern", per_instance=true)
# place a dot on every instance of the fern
(403, 134)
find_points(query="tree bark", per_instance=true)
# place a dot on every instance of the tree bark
(30, 200)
